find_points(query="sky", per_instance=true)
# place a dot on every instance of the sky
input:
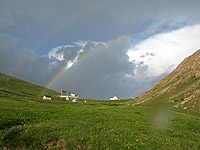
(97, 49)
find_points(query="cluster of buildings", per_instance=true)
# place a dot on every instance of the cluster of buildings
(65, 94)
(71, 96)
(68, 95)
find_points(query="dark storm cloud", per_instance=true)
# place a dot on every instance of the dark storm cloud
(7, 40)
(14, 60)
(42, 11)
(155, 15)
(103, 73)
(121, 10)
(99, 72)
(86, 20)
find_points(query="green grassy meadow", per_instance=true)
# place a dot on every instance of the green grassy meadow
(28, 122)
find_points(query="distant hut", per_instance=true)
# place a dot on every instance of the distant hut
(47, 97)
(114, 98)
(67, 98)
(73, 95)
(75, 100)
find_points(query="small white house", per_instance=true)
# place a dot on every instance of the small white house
(67, 98)
(114, 98)
(75, 100)
(73, 95)
(47, 97)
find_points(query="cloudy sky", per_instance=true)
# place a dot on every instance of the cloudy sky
(94, 48)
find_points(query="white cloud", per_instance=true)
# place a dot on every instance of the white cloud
(161, 53)
(76, 50)
(81, 44)
(52, 53)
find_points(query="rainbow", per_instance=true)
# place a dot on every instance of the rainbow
(71, 63)
(58, 29)
(83, 55)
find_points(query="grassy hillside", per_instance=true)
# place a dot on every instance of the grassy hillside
(13, 87)
(14, 95)
(180, 89)
(27, 122)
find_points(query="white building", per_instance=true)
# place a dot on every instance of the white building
(47, 97)
(74, 95)
(75, 100)
(114, 98)
(71, 96)
(67, 98)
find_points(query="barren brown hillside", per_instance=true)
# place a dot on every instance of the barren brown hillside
(180, 86)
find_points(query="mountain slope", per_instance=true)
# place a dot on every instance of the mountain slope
(180, 87)
(13, 87)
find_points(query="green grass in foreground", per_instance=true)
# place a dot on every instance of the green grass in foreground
(37, 124)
